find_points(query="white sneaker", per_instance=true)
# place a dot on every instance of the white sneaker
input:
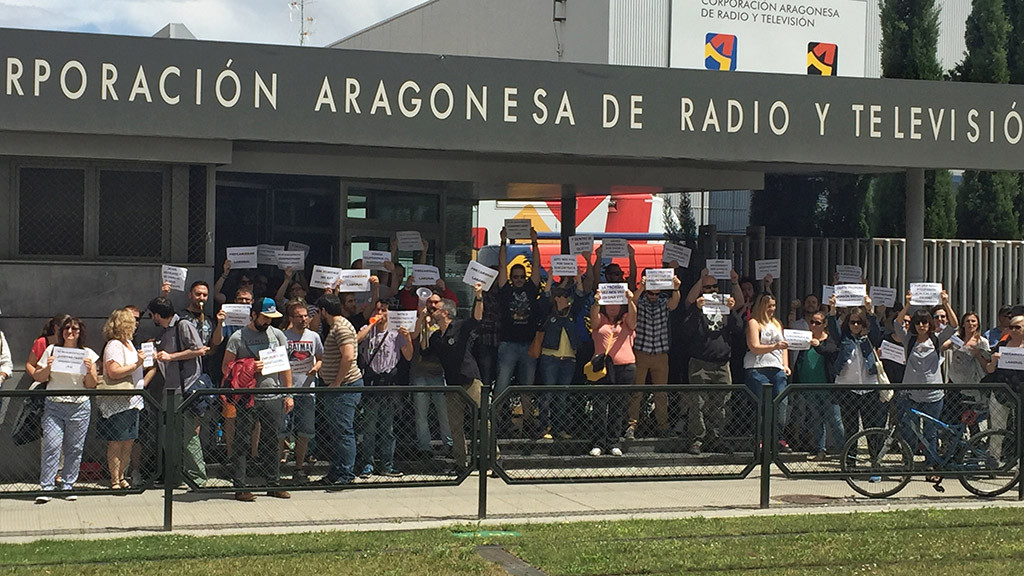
(595, 451)
(43, 499)
(71, 497)
(616, 451)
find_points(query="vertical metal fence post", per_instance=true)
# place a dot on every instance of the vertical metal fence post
(1020, 438)
(483, 437)
(171, 441)
(767, 441)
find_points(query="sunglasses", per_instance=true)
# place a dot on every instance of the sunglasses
(519, 277)
(856, 323)
(923, 323)
(819, 322)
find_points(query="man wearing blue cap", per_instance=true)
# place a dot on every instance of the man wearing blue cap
(267, 409)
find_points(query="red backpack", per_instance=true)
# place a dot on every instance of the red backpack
(241, 373)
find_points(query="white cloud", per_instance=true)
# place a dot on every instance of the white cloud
(262, 21)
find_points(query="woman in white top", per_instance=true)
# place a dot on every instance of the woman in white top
(65, 418)
(119, 415)
(767, 359)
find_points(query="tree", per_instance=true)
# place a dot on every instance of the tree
(910, 39)
(680, 226)
(845, 213)
(788, 205)
(1015, 40)
(987, 200)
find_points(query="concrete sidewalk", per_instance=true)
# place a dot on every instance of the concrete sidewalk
(410, 508)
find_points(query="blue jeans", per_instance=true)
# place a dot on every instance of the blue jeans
(931, 428)
(421, 403)
(341, 416)
(555, 372)
(65, 425)
(757, 377)
(824, 413)
(378, 446)
(514, 358)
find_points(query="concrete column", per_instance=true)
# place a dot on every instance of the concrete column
(915, 225)
(568, 215)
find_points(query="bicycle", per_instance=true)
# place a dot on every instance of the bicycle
(987, 460)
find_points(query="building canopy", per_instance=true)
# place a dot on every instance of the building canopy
(492, 108)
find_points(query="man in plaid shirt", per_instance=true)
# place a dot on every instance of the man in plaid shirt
(651, 349)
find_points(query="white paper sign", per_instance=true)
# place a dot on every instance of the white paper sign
(797, 339)
(715, 304)
(237, 314)
(324, 277)
(275, 360)
(849, 274)
(296, 246)
(517, 228)
(659, 279)
(68, 360)
(425, 275)
(925, 293)
(402, 318)
(674, 252)
(826, 293)
(850, 295)
(763, 268)
(148, 354)
(957, 341)
(354, 280)
(612, 293)
(882, 296)
(614, 248)
(720, 269)
(243, 257)
(1011, 358)
(375, 259)
(267, 254)
(409, 241)
(477, 272)
(174, 276)
(581, 244)
(564, 265)
(893, 352)
(294, 259)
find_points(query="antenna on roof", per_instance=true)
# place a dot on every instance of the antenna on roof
(298, 7)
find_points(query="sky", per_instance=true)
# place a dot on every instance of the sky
(262, 21)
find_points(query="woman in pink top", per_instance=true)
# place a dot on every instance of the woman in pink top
(614, 328)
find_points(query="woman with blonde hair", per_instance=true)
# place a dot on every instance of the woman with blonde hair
(766, 360)
(119, 415)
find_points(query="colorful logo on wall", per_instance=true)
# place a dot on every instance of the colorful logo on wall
(822, 59)
(720, 51)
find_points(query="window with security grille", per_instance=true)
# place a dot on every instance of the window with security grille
(51, 211)
(131, 214)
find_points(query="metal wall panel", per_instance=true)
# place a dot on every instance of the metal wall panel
(638, 32)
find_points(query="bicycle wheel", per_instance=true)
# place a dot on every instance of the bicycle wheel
(882, 474)
(990, 457)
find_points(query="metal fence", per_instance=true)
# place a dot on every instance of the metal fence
(980, 275)
(256, 440)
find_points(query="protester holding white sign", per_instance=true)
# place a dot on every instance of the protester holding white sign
(65, 419)
(675, 253)
(612, 293)
(614, 329)
(720, 269)
(1009, 354)
(771, 268)
(651, 346)
(767, 359)
(613, 272)
(923, 343)
(581, 244)
(268, 346)
(858, 335)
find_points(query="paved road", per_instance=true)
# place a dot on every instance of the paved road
(409, 508)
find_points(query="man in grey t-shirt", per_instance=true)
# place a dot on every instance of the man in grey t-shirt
(268, 409)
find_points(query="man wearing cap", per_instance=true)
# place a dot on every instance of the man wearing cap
(268, 409)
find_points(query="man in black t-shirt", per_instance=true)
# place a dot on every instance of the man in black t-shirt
(517, 296)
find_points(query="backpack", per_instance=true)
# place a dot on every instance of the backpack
(241, 374)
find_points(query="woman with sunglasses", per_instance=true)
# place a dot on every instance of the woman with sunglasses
(859, 335)
(924, 366)
(65, 418)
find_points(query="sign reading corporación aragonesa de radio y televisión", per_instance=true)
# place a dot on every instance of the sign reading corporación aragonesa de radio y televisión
(114, 85)
(817, 37)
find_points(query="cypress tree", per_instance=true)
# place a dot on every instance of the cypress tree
(987, 200)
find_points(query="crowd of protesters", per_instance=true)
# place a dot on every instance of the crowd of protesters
(530, 327)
